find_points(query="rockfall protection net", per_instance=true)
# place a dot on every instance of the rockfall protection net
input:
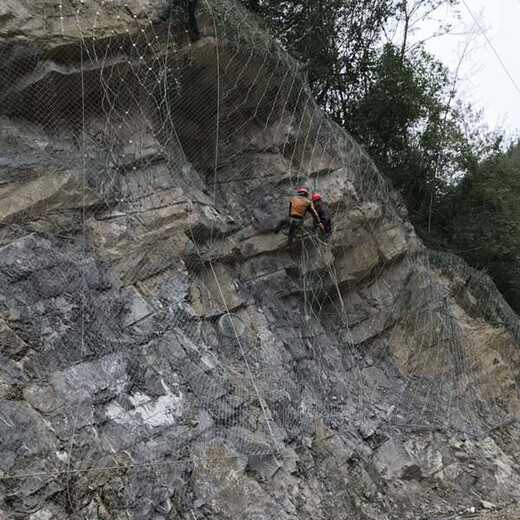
(147, 175)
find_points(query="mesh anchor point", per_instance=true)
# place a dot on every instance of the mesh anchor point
(231, 326)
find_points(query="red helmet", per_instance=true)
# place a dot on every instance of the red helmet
(303, 191)
(316, 197)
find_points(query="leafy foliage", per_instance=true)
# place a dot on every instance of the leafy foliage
(401, 104)
(337, 38)
(480, 220)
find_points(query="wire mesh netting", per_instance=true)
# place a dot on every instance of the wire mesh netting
(153, 320)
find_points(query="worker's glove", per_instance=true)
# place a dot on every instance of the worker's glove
(322, 227)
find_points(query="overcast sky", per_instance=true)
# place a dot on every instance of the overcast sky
(483, 80)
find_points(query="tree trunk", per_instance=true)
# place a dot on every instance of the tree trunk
(406, 29)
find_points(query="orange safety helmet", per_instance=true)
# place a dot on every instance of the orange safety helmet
(316, 197)
(304, 192)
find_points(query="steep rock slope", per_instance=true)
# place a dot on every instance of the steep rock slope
(164, 354)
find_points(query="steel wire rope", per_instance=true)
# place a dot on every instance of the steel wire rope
(254, 115)
(83, 254)
(298, 133)
(83, 154)
(121, 467)
(345, 323)
(423, 338)
(484, 311)
(307, 135)
(249, 372)
(275, 102)
(304, 146)
(213, 269)
(428, 317)
(415, 383)
(452, 358)
(490, 43)
(456, 359)
(311, 345)
(217, 115)
(344, 316)
(316, 180)
(361, 394)
(238, 153)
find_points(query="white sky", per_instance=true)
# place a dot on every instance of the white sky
(483, 81)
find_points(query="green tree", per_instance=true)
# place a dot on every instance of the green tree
(394, 98)
(407, 123)
(480, 220)
(337, 38)
(376, 80)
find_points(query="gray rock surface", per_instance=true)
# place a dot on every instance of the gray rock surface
(141, 178)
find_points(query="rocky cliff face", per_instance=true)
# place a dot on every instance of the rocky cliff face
(164, 354)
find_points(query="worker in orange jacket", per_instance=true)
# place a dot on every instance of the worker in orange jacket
(298, 208)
